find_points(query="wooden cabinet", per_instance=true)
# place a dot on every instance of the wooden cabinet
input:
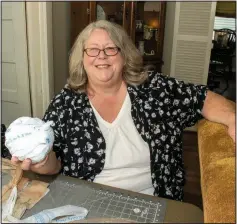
(144, 22)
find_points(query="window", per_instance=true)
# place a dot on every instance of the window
(222, 22)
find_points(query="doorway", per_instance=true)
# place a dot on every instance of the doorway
(222, 67)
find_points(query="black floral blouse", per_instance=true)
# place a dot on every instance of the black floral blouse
(161, 108)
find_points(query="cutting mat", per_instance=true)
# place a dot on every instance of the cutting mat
(101, 201)
(107, 204)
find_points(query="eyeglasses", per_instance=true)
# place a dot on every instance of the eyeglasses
(109, 51)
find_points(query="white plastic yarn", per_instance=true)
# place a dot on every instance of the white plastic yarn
(31, 138)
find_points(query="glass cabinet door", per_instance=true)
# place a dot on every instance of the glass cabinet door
(148, 28)
(117, 12)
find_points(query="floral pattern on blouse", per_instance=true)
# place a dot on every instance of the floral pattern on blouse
(161, 108)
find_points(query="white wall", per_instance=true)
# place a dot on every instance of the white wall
(40, 51)
(61, 43)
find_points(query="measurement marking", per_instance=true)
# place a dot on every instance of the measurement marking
(93, 200)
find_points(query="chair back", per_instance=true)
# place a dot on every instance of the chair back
(225, 38)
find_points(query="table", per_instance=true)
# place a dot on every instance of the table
(67, 190)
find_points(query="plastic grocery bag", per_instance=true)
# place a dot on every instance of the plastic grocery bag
(8, 206)
(63, 214)
(68, 212)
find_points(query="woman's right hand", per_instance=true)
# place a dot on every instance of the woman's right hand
(27, 163)
(50, 165)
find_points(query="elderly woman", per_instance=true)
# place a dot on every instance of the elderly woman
(117, 124)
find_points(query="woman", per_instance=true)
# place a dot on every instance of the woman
(117, 124)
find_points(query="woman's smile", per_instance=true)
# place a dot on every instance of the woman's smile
(102, 66)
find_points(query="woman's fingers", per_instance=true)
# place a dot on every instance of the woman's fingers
(26, 164)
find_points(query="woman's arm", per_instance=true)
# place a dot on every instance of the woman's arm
(218, 109)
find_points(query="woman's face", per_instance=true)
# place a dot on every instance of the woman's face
(102, 69)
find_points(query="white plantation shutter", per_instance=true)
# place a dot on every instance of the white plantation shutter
(192, 41)
(194, 18)
(189, 65)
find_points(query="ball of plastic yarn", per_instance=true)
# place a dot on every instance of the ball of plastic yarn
(29, 138)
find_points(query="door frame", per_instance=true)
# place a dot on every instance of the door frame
(40, 55)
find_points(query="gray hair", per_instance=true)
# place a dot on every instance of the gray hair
(134, 72)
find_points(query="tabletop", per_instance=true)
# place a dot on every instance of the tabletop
(108, 202)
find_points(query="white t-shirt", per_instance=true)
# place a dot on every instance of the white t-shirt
(127, 155)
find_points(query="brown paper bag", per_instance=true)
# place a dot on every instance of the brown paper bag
(29, 192)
